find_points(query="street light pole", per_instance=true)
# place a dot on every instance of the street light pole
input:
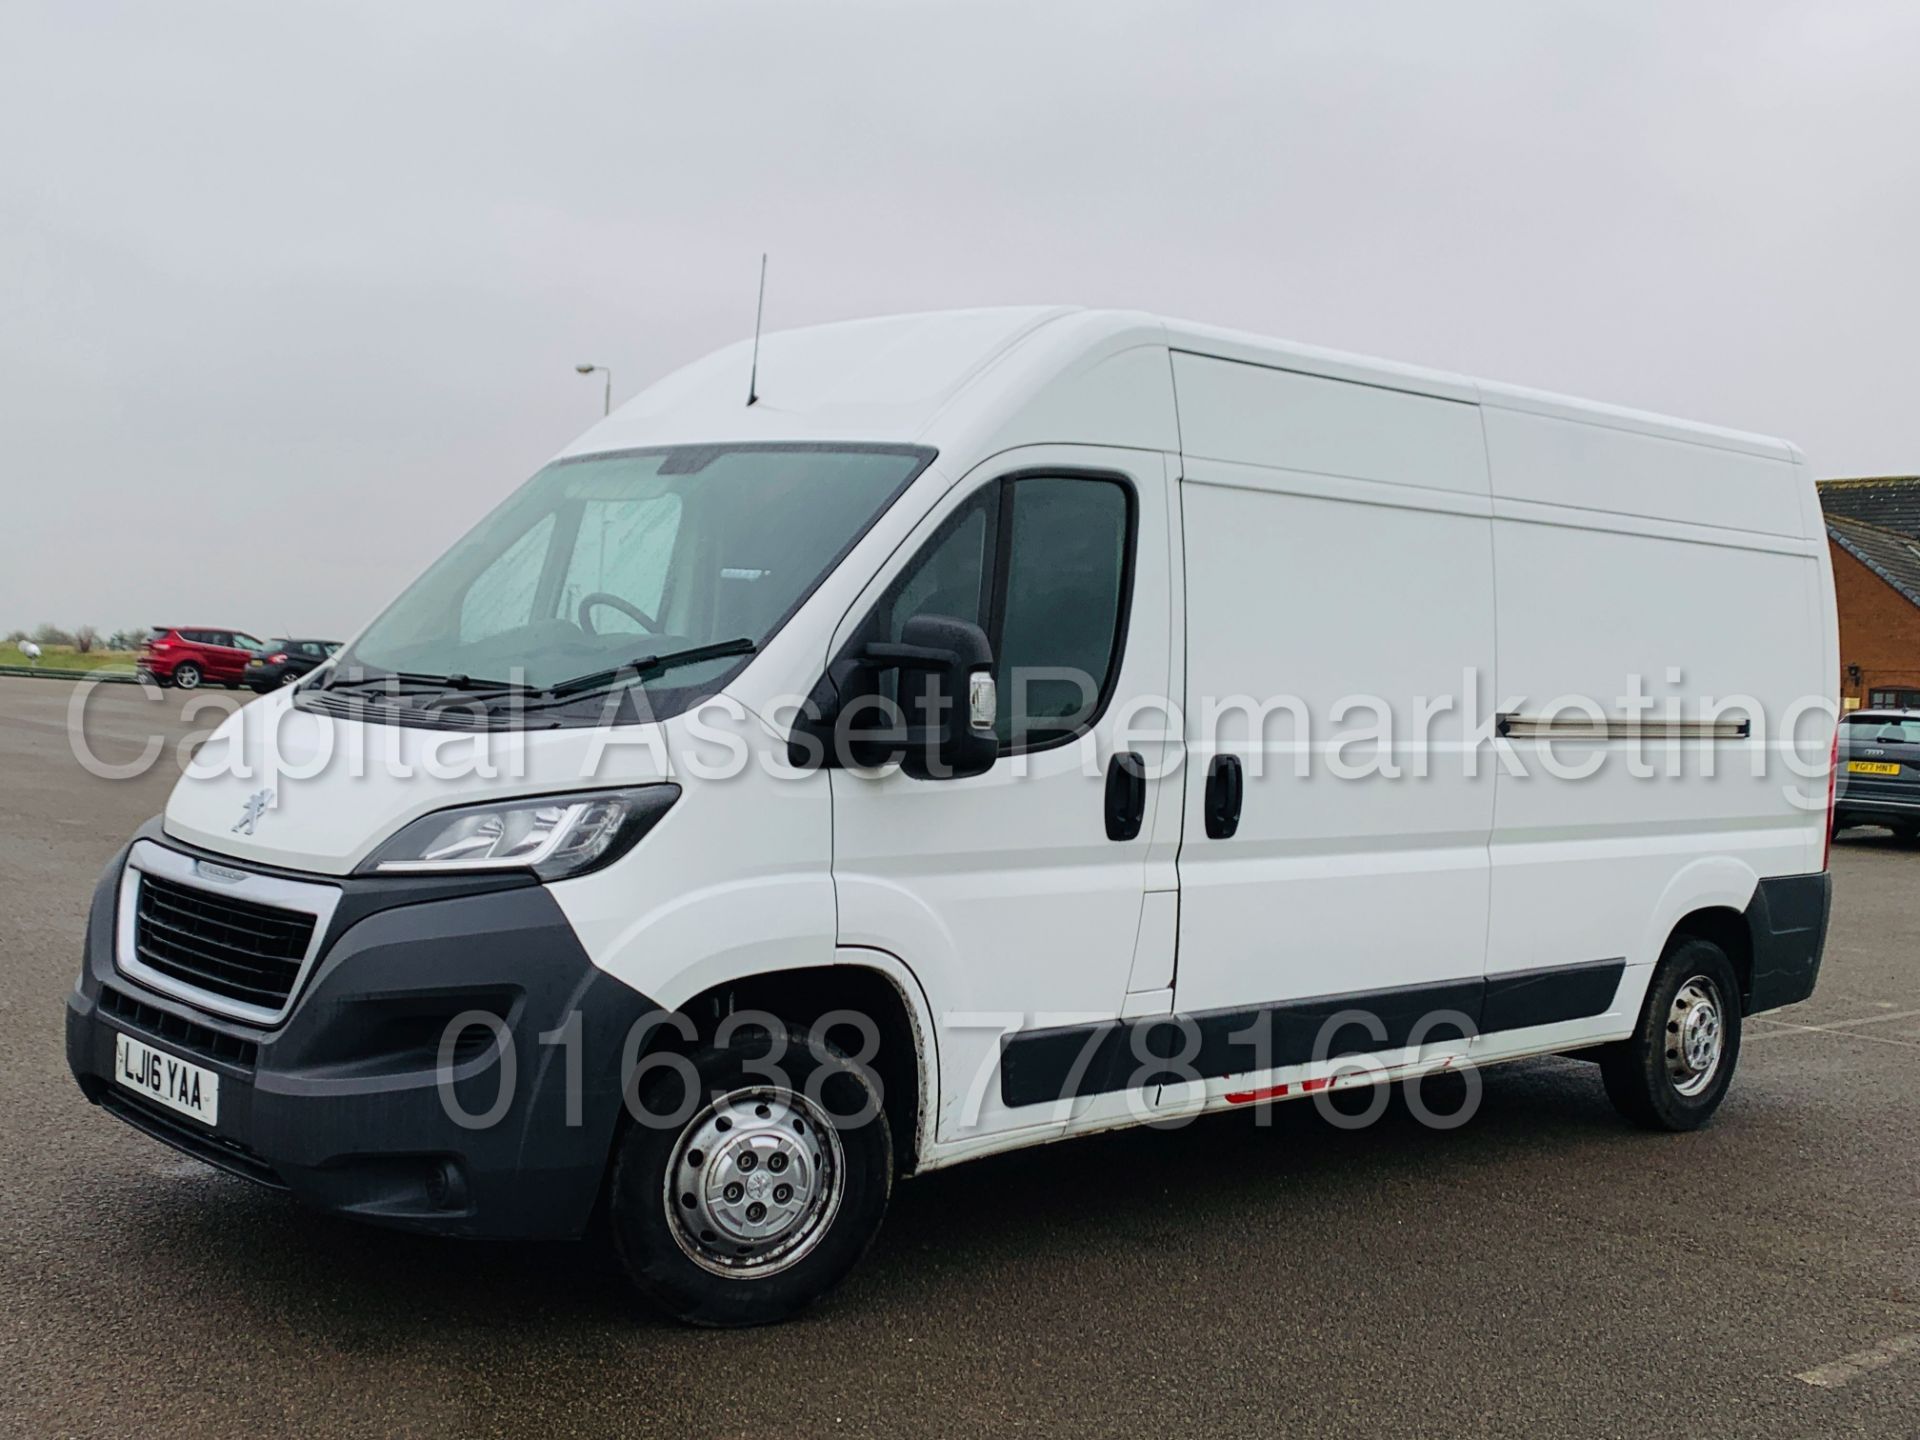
(606, 395)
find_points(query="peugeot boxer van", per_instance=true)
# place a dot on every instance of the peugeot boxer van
(1002, 726)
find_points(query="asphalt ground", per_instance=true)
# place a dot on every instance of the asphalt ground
(1543, 1270)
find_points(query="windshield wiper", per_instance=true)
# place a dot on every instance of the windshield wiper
(339, 680)
(442, 691)
(644, 666)
(465, 690)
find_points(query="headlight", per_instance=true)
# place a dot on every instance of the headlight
(554, 836)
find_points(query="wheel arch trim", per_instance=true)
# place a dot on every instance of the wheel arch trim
(900, 978)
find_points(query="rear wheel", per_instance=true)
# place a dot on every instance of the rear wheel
(187, 675)
(1675, 1069)
(743, 1197)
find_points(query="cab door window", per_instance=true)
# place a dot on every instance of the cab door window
(1043, 564)
(1057, 633)
(950, 576)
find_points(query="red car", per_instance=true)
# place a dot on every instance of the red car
(171, 655)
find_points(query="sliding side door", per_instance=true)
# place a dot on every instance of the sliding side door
(1339, 616)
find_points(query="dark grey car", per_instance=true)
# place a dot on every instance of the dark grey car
(1879, 776)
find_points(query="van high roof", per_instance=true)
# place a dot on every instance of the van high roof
(1024, 375)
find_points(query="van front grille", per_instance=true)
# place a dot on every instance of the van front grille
(202, 1041)
(231, 948)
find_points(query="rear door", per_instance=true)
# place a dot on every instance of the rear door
(203, 649)
(209, 652)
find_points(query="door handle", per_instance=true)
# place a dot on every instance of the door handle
(1226, 788)
(1126, 795)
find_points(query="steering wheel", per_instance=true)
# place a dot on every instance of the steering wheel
(626, 607)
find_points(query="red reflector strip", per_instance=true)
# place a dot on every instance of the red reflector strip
(1247, 1097)
(1274, 1092)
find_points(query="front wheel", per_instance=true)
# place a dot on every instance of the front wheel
(751, 1181)
(1672, 1073)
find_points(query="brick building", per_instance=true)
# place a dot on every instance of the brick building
(1873, 529)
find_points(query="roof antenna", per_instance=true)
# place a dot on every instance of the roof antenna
(760, 306)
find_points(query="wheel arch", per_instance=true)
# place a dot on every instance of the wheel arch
(1707, 899)
(869, 983)
(1727, 929)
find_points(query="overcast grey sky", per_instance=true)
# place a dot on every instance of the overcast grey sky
(293, 293)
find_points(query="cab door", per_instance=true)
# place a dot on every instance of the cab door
(1022, 898)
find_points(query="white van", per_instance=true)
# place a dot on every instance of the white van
(1011, 724)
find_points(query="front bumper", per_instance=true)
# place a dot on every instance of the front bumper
(343, 1103)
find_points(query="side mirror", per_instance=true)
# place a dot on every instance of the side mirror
(947, 698)
(940, 727)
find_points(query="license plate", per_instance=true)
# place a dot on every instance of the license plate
(189, 1089)
(1871, 767)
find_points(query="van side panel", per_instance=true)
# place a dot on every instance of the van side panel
(1289, 421)
(1620, 555)
(1337, 545)
(1588, 464)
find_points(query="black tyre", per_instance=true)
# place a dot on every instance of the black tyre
(187, 675)
(1674, 1071)
(744, 1201)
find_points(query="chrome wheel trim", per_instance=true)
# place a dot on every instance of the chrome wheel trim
(754, 1182)
(188, 681)
(1696, 1036)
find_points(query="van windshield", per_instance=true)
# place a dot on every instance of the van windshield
(599, 561)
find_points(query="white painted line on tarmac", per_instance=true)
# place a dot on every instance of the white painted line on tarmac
(1874, 1019)
(1779, 1028)
(1836, 1373)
